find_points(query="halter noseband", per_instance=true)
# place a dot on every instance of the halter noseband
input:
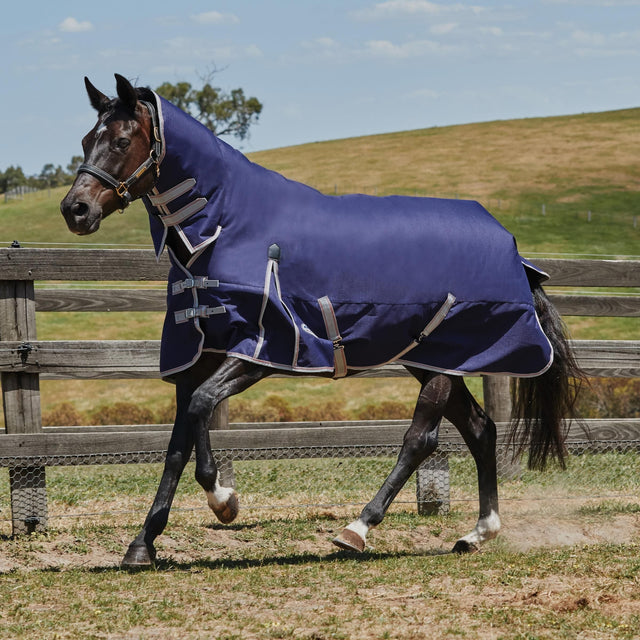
(121, 187)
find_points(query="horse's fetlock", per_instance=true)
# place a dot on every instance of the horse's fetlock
(206, 476)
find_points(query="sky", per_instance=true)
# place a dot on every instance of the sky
(323, 70)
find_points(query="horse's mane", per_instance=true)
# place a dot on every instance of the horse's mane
(145, 93)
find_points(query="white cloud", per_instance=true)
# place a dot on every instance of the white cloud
(443, 29)
(215, 17)
(412, 49)
(71, 25)
(587, 38)
(392, 8)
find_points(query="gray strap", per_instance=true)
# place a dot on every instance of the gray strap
(171, 194)
(202, 311)
(198, 282)
(333, 333)
(171, 219)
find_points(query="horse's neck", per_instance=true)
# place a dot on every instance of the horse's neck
(175, 243)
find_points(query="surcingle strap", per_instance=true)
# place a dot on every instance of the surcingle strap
(333, 333)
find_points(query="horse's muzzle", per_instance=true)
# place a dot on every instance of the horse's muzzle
(81, 218)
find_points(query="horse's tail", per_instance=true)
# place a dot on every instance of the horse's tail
(541, 403)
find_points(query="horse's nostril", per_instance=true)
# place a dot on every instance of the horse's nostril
(79, 210)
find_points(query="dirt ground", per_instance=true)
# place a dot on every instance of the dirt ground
(526, 527)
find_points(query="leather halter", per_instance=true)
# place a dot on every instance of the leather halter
(122, 187)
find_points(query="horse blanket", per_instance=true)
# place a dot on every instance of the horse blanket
(285, 276)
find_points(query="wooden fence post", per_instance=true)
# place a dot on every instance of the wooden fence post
(21, 403)
(497, 404)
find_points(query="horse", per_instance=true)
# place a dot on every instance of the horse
(257, 306)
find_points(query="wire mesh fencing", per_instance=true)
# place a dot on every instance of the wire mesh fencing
(48, 490)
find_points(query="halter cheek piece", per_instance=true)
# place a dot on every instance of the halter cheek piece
(122, 187)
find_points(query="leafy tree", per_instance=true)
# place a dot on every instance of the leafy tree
(12, 177)
(72, 167)
(52, 176)
(225, 113)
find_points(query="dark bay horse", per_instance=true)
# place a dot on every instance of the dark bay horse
(236, 318)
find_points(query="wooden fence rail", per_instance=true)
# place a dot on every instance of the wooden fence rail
(24, 360)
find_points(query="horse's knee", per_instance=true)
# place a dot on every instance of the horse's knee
(201, 407)
(176, 461)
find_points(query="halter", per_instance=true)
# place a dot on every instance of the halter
(122, 187)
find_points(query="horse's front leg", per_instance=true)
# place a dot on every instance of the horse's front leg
(141, 551)
(233, 376)
(420, 441)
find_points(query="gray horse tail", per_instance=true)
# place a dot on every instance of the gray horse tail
(544, 405)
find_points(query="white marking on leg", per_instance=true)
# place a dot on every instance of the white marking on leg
(218, 498)
(359, 528)
(486, 529)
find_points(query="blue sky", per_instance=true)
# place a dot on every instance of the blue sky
(323, 70)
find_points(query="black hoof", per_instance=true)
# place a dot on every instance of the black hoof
(138, 556)
(462, 546)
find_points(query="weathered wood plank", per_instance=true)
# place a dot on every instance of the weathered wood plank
(84, 359)
(82, 264)
(135, 264)
(94, 440)
(139, 358)
(98, 300)
(610, 306)
(591, 273)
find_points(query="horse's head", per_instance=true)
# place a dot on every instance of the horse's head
(120, 158)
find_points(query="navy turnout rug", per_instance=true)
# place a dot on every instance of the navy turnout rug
(285, 276)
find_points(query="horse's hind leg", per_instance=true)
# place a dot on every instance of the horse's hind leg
(479, 433)
(420, 441)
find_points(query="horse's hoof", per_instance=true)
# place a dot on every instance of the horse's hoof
(463, 546)
(138, 556)
(349, 541)
(228, 511)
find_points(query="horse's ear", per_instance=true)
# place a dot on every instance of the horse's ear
(126, 92)
(98, 100)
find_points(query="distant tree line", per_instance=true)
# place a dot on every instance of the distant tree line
(50, 176)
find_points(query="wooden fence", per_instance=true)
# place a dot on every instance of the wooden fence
(25, 446)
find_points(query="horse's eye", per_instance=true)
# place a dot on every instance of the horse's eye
(123, 143)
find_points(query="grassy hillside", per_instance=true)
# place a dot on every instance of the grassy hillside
(571, 165)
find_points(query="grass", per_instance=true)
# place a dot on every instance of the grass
(274, 574)
(273, 586)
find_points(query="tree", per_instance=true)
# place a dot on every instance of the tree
(72, 167)
(224, 113)
(52, 176)
(12, 177)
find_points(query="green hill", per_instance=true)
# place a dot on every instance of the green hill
(566, 184)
